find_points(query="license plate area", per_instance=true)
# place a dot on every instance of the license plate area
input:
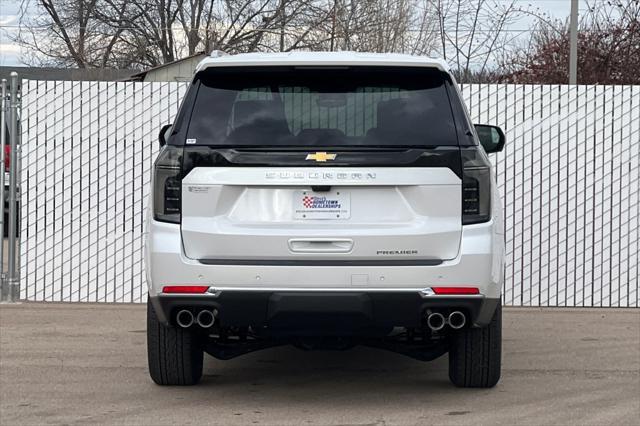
(331, 205)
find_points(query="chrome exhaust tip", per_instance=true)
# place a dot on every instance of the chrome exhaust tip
(436, 321)
(457, 320)
(184, 318)
(205, 319)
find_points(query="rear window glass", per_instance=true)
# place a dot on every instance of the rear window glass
(336, 107)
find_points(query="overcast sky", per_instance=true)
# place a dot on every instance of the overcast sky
(10, 53)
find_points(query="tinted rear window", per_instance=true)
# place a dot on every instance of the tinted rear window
(357, 106)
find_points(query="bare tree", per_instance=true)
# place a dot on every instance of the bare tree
(381, 26)
(608, 48)
(192, 16)
(474, 34)
(69, 34)
(143, 33)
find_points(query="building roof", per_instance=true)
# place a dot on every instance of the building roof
(321, 59)
(141, 75)
(70, 74)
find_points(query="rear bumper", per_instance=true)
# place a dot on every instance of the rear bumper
(318, 312)
(392, 291)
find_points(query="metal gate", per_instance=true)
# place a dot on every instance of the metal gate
(569, 175)
(10, 119)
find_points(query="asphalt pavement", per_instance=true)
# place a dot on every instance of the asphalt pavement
(86, 363)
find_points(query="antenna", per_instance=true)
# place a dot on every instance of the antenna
(218, 53)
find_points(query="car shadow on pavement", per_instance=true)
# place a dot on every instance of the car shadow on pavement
(362, 370)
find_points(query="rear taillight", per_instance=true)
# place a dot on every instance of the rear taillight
(193, 289)
(167, 184)
(476, 186)
(7, 157)
(455, 290)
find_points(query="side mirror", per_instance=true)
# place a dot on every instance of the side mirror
(491, 138)
(165, 131)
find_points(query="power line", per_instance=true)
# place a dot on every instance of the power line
(180, 28)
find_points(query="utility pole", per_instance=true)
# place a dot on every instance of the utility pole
(573, 41)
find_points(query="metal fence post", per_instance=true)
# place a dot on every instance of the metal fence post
(14, 289)
(4, 288)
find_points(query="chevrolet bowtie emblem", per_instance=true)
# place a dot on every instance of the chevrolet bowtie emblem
(321, 157)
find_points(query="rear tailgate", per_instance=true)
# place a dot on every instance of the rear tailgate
(354, 214)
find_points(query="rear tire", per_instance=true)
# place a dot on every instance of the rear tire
(475, 355)
(175, 355)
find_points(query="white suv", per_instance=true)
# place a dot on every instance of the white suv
(324, 200)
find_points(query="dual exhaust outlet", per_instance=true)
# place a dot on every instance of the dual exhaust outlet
(436, 321)
(204, 318)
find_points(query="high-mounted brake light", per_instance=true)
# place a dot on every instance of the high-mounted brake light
(189, 289)
(455, 290)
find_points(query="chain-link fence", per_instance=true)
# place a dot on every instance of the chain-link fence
(569, 175)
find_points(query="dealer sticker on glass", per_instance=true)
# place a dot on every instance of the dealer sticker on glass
(321, 205)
